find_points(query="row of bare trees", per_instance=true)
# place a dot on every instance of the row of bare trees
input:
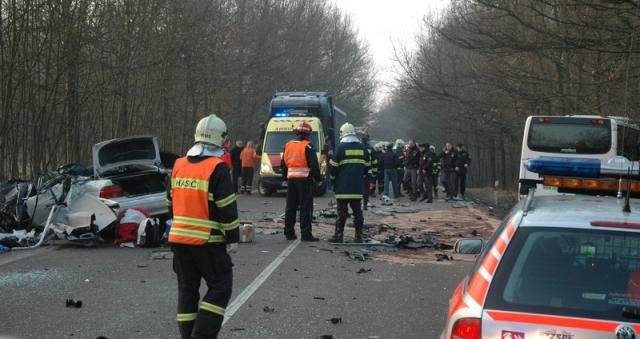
(483, 66)
(74, 72)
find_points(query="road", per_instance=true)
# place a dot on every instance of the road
(126, 294)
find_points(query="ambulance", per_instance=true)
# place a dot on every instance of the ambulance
(278, 132)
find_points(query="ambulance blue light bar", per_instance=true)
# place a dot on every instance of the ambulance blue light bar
(565, 167)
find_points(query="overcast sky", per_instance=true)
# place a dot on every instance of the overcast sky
(385, 23)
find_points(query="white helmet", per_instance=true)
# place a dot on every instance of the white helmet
(399, 143)
(347, 129)
(211, 130)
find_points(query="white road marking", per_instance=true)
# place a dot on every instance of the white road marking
(255, 284)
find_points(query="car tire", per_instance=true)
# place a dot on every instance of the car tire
(264, 191)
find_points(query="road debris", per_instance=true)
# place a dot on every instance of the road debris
(73, 303)
(161, 254)
(319, 298)
(363, 270)
(268, 309)
(335, 320)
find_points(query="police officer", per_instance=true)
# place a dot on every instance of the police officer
(301, 170)
(349, 166)
(205, 219)
(369, 180)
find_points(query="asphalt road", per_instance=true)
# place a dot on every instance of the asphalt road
(126, 294)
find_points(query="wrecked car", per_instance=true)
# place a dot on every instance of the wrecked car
(127, 171)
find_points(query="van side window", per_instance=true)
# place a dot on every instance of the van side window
(628, 140)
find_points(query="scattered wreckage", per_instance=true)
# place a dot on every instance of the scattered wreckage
(78, 203)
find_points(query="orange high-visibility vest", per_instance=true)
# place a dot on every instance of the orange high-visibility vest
(190, 200)
(295, 159)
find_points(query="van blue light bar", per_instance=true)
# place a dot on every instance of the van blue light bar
(566, 167)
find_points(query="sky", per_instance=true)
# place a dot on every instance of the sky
(385, 23)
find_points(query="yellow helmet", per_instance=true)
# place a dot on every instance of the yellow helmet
(347, 129)
(211, 130)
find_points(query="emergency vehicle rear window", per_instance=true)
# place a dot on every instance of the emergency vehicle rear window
(275, 141)
(570, 135)
(572, 272)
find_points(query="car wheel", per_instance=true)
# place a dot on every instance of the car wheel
(264, 191)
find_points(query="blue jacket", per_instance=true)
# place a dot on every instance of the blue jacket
(350, 164)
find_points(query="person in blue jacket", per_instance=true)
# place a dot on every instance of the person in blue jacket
(349, 166)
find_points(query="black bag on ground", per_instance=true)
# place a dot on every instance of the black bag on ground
(149, 233)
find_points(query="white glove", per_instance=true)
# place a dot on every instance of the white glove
(232, 248)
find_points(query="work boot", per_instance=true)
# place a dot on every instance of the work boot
(358, 237)
(291, 236)
(337, 235)
(309, 238)
(185, 328)
(429, 201)
(424, 197)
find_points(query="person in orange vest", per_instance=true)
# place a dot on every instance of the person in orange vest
(204, 230)
(302, 172)
(248, 158)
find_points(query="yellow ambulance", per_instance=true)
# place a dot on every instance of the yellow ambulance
(278, 132)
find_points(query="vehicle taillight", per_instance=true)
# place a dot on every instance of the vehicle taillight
(466, 328)
(112, 191)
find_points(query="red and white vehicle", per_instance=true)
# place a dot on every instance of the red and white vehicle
(558, 267)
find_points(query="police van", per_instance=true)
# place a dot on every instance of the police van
(559, 266)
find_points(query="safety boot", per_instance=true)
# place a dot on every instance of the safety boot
(358, 237)
(338, 235)
(185, 328)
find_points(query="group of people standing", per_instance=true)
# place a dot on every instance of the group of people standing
(417, 168)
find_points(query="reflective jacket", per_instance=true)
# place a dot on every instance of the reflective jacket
(199, 216)
(349, 166)
(295, 159)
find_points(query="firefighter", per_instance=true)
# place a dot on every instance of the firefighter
(301, 170)
(369, 181)
(205, 219)
(349, 166)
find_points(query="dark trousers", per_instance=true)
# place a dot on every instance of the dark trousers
(425, 187)
(236, 173)
(299, 195)
(247, 178)
(434, 182)
(461, 182)
(365, 190)
(450, 183)
(202, 319)
(343, 211)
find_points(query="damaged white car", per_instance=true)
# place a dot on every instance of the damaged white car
(127, 173)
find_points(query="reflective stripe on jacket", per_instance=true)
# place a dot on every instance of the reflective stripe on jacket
(190, 200)
(296, 160)
(349, 166)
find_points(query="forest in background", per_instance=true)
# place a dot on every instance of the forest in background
(75, 72)
(482, 66)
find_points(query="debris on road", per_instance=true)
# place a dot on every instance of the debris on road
(161, 254)
(363, 270)
(73, 303)
(268, 309)
(319, 298)
(335, 320)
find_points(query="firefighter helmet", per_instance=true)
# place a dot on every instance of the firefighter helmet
(303, 130)
(347, 129)
(211, 130)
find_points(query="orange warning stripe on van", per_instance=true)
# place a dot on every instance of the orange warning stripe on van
(560, 321)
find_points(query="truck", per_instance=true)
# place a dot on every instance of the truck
(286, 111)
